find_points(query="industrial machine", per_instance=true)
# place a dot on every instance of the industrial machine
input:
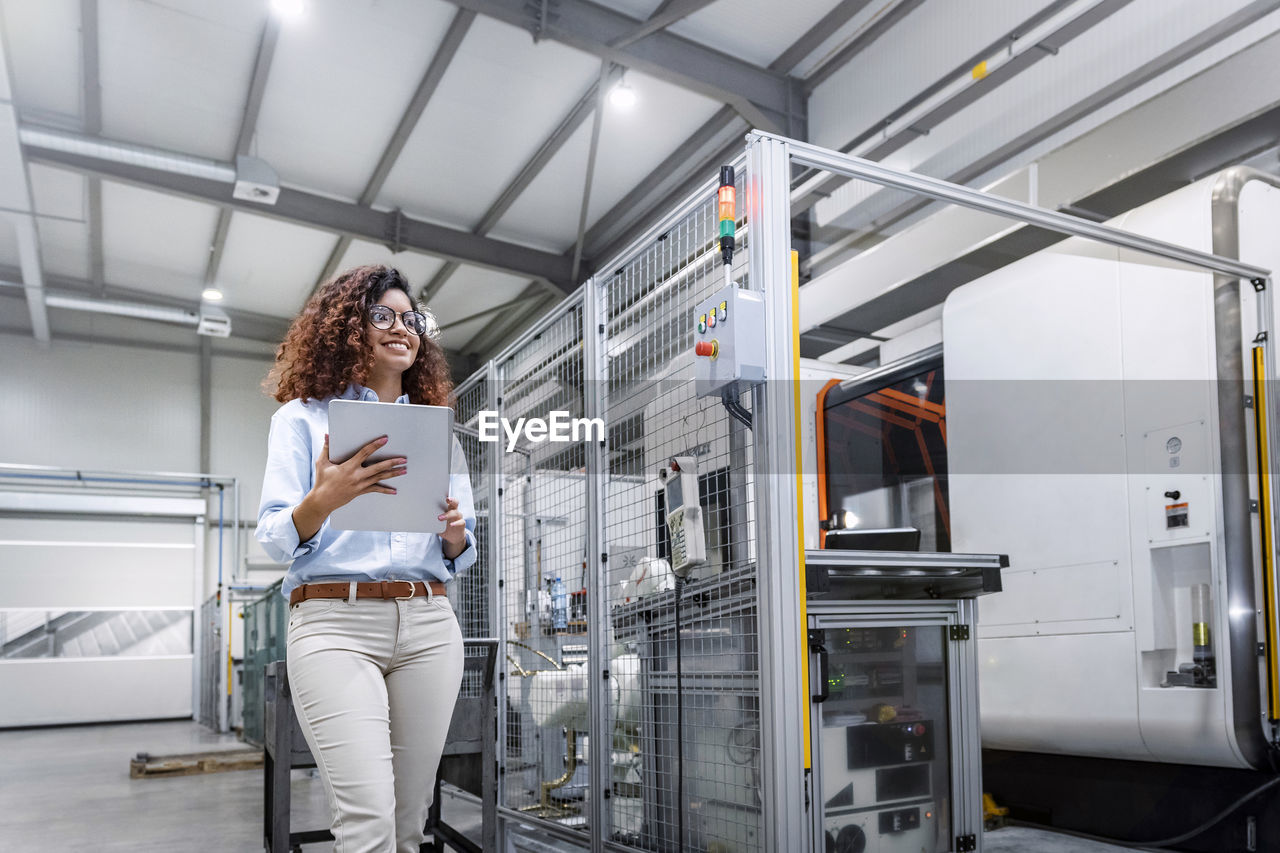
(894, 720)
(1102, 417)
(771, 638)
(1092, 413)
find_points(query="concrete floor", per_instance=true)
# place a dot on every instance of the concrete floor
(68, 788)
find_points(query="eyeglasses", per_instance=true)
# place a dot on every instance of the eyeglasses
(382, 317)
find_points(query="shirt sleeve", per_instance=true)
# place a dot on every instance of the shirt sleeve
(287, 480)
(460, 489)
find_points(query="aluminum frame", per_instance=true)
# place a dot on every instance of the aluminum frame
(785, 780)
(965, 760)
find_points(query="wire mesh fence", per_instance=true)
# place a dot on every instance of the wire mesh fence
(684, 697)
(472, 595)
(542, 495)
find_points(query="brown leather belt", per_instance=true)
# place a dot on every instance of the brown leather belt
(372, 589)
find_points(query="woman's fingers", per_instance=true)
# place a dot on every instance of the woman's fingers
(383, 468)
(378, 488)
(368, 450)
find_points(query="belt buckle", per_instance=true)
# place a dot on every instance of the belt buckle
(411, 591)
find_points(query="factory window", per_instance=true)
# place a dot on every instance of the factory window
(885, 472)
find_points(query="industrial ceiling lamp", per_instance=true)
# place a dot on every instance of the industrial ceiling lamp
(621, 95)
(211, 294)
(289, 10)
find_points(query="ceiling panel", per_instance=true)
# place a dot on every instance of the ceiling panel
(176, 74)
(456, 338)
(34, 33)
(342, 78)
(60, 199)
(155, 242)
(502, 96)
(472, 290)
(415, 266)
(632, 143)
(8, 249)
(753, 30)
(269, 266)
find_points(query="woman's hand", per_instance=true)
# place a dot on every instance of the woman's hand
(337, 485)
(454, 539)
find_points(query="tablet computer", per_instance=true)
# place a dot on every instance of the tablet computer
(421, 434)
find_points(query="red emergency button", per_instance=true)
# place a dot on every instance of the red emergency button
(707, 348)
(917, 729)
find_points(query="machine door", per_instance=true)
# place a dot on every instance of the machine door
(881, 735)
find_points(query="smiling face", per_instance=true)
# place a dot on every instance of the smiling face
(394, 349)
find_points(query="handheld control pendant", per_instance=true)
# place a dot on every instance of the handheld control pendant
(684, 515)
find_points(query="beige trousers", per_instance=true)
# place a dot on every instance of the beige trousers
(374, 683)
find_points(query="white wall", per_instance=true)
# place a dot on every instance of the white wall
(115, 408)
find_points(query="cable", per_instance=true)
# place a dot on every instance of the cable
(679, 726)
(1163, 842)
(735, 408)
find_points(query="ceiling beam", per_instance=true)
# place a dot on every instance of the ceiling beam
(861, 42)
(91, 95)
(142, 167)
(17, 203)
(670, 12)
(818, 33)
(667, 13)
(686, 167)
(766, 99)
(638, 207)
(244, 138)
(591, 170)
(427, 86)
(248, 325)
(873, 144)
(493, 336)
(518, 302)
(549, 148)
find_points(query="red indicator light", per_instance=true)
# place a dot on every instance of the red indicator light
(728, 202)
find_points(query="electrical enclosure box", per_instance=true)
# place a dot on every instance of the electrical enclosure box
(728, 334)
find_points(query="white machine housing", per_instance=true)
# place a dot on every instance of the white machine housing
(1082, 409)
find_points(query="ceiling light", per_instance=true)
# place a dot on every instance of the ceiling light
(289, 10)
(211, 294)
(622, 95)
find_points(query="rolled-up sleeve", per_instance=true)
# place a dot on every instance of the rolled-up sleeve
(460, 490)
(286, 482)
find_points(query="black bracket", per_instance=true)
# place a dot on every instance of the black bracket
(1259, 284)
(1260, 338)
(966, 843)
(394, 228)
(958, 632)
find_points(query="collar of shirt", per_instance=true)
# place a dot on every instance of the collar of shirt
(356, 391)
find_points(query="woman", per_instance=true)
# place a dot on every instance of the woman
(374, 649)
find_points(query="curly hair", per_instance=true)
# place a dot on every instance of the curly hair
(325, 348)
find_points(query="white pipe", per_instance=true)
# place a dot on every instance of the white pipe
(134, 155)
(137, 310)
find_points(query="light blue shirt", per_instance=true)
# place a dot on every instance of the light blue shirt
(296, 440)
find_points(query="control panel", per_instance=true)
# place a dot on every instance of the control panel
(728, 338)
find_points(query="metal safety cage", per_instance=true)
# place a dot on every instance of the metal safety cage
(473, 593)
(538, 527)
(637, 715)
(678, 665)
